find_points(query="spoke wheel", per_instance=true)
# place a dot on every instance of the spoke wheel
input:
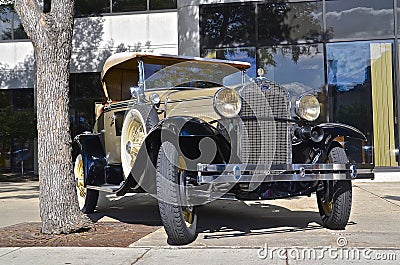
(87, 198)
(138, 122)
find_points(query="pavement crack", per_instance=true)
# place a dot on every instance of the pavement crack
(141, 256)
(12, 251)
(287, 257)
(370, 192)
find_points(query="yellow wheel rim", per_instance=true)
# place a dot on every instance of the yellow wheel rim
(328, 207)
(187, 211)
(188, 216)
(80, 180)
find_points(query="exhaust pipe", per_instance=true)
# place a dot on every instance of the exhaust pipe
(315, 134)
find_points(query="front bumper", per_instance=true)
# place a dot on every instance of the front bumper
(247, 173)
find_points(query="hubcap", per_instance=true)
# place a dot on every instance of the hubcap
(136, 135)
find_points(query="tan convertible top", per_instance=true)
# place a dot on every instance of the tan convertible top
(128, 60)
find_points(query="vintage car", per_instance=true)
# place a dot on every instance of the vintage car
(193, 130)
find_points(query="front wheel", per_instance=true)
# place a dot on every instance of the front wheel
(178, 217)
(87, 198)
(335, 212)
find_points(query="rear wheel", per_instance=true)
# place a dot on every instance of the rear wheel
(335, 212)
(87, 198)
(178, 216)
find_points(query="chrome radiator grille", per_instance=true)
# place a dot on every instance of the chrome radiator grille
(263, 137)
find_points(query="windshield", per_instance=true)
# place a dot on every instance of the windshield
(191, 74)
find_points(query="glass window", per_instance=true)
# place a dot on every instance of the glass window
(162, 4)
(86, 85)
(289, 22)
(359, 19)
(5, 98)
(129, 5)
(85, 90)
(361, 91)
(19, 32)
(91, 7)
(23, 99)
(227, 25)
(6, 16)
(398, 16)
(298, 68)
(235, 54)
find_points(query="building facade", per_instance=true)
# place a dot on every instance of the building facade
(101, 28)
(346, 52)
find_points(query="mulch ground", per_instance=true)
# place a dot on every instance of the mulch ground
(104, 234)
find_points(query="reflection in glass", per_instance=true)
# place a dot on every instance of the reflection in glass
(190, 72)
(361, 90)
(298, 68)
(85, 90)
(19, 32)
(245, 54)
(23, 99)
(289, 22)
(91, 7)
(129, 5)
(6, 23)
(162, 4)
(359, 19)
(17, 129)
(349, 81)
(227, 25)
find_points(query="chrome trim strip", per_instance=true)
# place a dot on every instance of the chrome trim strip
(258, 178)
(236, 173)
(270, 167)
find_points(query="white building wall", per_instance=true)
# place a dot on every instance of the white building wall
(13, 52)
(95, 39)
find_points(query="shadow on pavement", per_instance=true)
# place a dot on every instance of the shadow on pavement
(131, 209)
(219, 219)
(235, 219)
(395, 198)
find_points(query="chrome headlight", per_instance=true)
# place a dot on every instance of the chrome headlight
(227, 102)
(308, 108)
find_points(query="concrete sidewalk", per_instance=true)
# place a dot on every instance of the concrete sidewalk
(229, 232)
(185, 256)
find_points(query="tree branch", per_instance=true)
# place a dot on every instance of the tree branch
(31, 17)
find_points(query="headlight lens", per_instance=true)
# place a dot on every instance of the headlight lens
(308, 108)
(227, 102)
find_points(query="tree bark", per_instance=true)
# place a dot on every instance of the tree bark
(51, 36)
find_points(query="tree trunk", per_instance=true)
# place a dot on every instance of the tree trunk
(51, 36)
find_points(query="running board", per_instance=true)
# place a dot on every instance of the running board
(106, 188)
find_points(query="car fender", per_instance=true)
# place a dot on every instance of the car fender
(185, 133)
(93, 156)
(338, 129)
(317, 152)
